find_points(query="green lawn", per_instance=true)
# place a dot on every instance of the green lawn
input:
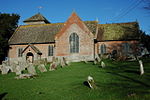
(118, 81)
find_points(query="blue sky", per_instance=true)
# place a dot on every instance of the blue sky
(106, 11)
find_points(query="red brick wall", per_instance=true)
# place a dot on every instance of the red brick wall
(116, 45)
(85, 44)
(13, 52)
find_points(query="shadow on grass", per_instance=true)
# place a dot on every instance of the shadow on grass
(86, 84)
(131, 79)
(132, 71)
(3, 95)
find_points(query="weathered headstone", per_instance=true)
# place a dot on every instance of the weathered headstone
(53, 66)
(18, 70)
(1, 67)
(84, 60)
(5, 69)
(23, 65)
(141, 67)
(91, 82)
(24, 76)
(95, 61)
(62, 63)
(98, 58)
(31, 69)
(42, 68)
(103, 64)
(13, 67)
(57, 61)
(66, 62)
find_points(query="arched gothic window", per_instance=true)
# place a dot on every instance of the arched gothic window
(74, 43)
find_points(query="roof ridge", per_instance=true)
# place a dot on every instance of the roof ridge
(36, 17)
(36, 25)
(118, 23)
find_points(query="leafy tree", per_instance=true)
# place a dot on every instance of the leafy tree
(145, 40)
(8, 24)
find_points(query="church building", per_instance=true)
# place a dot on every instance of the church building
(76, 40)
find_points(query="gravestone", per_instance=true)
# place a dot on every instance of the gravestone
(103, 64)
(42, 68)
(1, 67)
(85, 60)
(97, 58)
(23, 65)
(5, 69)
(141, 67)
(53, 66)
(91, 82)
(62, 63)
(57, 61)
(31, 69)
(67, 63)
(95, 62)
(18, 70)
(24, 76)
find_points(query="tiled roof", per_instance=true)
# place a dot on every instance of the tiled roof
(45, 33)
(37, 17)
(35, 33)
(118, 31)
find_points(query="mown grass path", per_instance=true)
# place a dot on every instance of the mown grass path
(118, 81)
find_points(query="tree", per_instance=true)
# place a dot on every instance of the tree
(8, 24)
(145, 40)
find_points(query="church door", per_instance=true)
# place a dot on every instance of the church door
(30, 57)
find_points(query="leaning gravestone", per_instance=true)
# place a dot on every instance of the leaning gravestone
(42, 68)
(97, 58)
(65, 61)
(31, 69)
(24, 76)
(103, 64)
(91, 82)
(141, 67)
(62, 63)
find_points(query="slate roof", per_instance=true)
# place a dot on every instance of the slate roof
(45, 33)
(37, 17)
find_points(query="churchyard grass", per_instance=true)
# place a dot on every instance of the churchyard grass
(117, 81)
